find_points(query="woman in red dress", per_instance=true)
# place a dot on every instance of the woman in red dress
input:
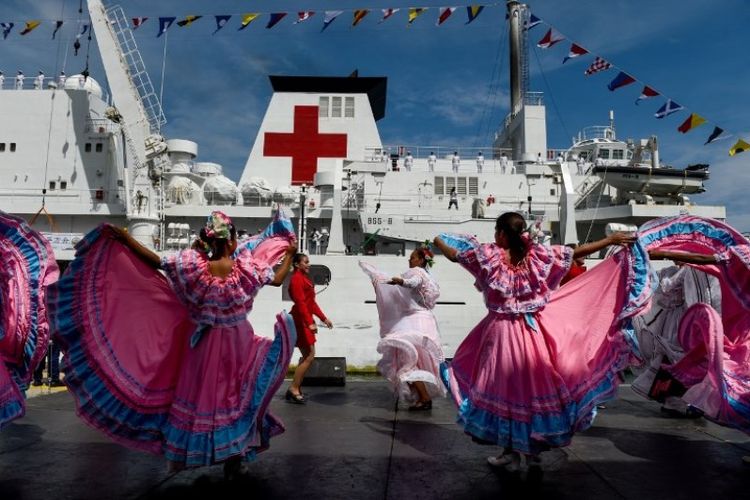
(302, 291)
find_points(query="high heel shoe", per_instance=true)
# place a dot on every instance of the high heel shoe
(294, 398)
(235, 469)
(421, 406)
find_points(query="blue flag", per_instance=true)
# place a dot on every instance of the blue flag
(221, 21)
(6, 29)
(620, 80)
(164, 24)
(714, 135)
(669, 107)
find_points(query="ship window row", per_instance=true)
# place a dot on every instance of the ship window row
(617, 154)
(11, 146)
(53, 185)
(99, 147)
(463, 185)
(335, 107)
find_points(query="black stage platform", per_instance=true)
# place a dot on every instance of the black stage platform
(351, 442)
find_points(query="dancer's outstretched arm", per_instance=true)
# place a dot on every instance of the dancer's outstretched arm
(623, 239)
(285, 266)
(450, 252)
(686, 257)
(141, 251)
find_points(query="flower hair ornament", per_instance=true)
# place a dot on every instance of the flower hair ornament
(218, 225)
(429, 256)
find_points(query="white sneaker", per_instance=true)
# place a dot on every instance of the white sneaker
(500, 460)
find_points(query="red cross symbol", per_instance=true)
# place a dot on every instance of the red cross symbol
(305, 145)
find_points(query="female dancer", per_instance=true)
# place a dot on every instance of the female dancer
(28, 267)
(171, 365)
(410, 342)
(302, 291)
(531, 373)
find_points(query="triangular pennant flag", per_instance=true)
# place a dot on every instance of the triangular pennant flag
(575, 51)
(330, 16)
(533, 21)
(473, 11)
(221, 21)
(667, 109)
(83, 31)
(30, 26)
(164, 24)
(445, 13)
(550, 38)
(714, 135)
(247, 19)
(58, 25)
(138, 21)
(598, 65)
(415, 12)
(188, 21)
(358, 16)
(388, 13)
(739, 147)
(304, 16)
(646, 93)
(274, 19)
(693, 121)
(620, 80)
(6, 29)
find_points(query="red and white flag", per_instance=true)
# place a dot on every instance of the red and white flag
(303, 16)
(598, 65)
(445, 13)
(388, 13)
(138, 21)
(646, 93)
(575, 51)
(552, 37)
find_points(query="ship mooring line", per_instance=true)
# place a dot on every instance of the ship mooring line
(390, 452)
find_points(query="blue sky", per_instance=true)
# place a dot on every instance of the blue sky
(447, 85)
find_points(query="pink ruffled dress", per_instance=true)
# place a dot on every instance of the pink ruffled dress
(410, 340)
(169, 363)
(28, 266)
(531, 373)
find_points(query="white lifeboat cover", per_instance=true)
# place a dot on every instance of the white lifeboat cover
(220, 190)
(181, 190)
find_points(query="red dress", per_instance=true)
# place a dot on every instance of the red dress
(575, 271)
(302, 291)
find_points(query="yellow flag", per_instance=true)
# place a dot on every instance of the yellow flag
(30, 26)
(414, 12)
(358, 16)
(247, 19)
(739, 147)
(188, 21)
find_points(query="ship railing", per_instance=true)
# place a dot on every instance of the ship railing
(465, 153)
(31, 83)
(59, 193)
(596, 132)
(100, 126)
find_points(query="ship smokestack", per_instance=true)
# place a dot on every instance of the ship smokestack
(515, 17)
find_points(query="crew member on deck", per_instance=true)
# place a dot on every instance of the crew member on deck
(431, 161)
(503, 162)
(39, 81)
(453, 199)
(2, 80)
(408, 161)
(19, 80)
(480, 162)
(61, 80)
(455, 162)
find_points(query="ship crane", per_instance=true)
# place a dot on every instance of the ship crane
(138, 112)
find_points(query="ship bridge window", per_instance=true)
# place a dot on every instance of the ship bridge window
(473, 186)
(349, 107)
(461, 189)
(618, 154)
(336, 107)
(63, 185)
(439, 185)
(87, 147)
(323, 107)
(450, 183)
(604, 154)
(99, 147)
(51, 185)
(12, 147)
(2, 147)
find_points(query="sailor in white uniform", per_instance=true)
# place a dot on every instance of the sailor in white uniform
(503, 162)
(580, 164)
(480, 162)
(431, 161)
(19, 80)
(408, 161)
(2, 80)
(61, 80)
(39, 81)
(455, 162)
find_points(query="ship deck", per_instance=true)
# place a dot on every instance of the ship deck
(352, 442)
